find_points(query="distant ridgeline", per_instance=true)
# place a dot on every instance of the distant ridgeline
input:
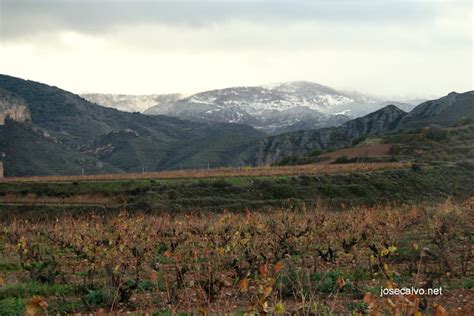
(443, 112)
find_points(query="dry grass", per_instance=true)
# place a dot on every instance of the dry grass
(220, 173)
(78, 199)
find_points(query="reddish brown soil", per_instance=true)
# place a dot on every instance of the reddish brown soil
(373, 151)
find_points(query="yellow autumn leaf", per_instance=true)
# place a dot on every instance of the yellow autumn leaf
(440, 310)
(244, 285)
(154, 275)
(244, 241)
(36, 306)
(369, 300)
(266, 292)
(202, 311)
(279, 307)
(265, 307)
(341, 283)
(279, 266)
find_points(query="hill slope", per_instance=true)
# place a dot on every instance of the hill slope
(86, 135)
(444, 112)
(273, 149)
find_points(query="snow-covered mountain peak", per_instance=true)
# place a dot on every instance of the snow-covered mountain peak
(300, 87)
(281, 97)
(274, 108)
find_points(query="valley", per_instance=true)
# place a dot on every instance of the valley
(103, 210)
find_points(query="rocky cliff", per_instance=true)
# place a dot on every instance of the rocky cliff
(273, 149)
(13, 107)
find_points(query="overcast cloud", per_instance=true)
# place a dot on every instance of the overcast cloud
(394, 48)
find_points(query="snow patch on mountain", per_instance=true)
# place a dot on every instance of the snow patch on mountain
(132, 103)
(273, 108)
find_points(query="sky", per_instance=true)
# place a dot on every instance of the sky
(401, 49)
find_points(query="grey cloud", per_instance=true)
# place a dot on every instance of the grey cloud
(25, 18)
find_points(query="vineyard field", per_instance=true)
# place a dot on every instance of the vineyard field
(310, 261)
(264, 171)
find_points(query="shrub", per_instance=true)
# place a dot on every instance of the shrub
(288, 160)
(468, 284)
(435, 133)
(416, 167)
(341, 159)
(316, 153)
(221, 184)
(282, 191)
(12, 306)
(99, 298)
(38, 259)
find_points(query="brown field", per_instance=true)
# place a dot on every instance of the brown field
(222, 172)
(372, 151)
(309, 262)
(34, 199)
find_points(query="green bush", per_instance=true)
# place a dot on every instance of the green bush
(28, 289)
(435, 133)
(146, 285)
(329, 190)
(416, 167)
(342, 159)
(9, 266)
(12, 306)
(358, 190)
(295, 281)
(288, 160)
(468, 284)
(357, 308)
(282, 191)
(315, 153)
(99, 297)
(221, 184)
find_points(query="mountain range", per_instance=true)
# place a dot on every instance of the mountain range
(45, 130)
(62, 133)
(274, 109)
(443, 112)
